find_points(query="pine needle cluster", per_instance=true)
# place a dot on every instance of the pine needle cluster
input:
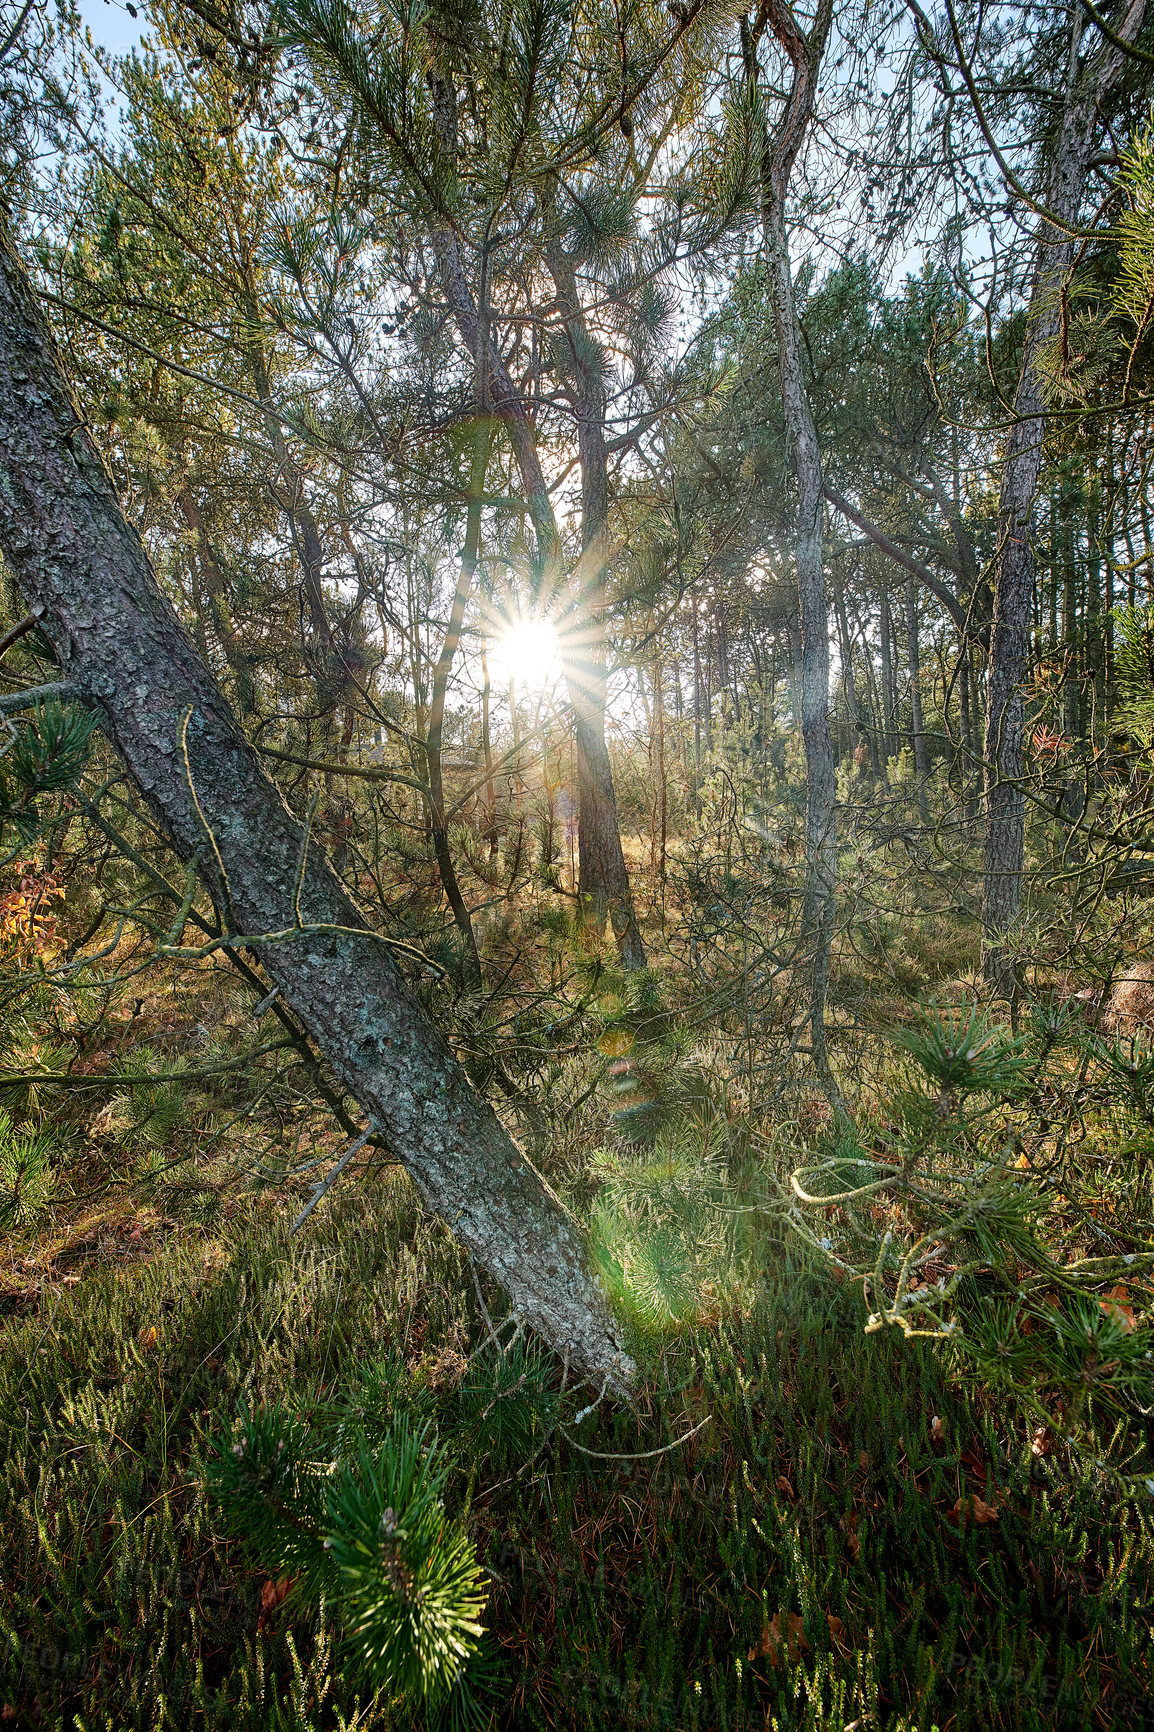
(366, 1529)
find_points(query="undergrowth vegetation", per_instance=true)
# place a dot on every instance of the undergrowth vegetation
(889, 1463)
(851, 1535)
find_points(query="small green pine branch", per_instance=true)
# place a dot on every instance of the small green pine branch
(368, 1533)
(47, 756)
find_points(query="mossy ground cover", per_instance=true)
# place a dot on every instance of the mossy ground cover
(851, 1538)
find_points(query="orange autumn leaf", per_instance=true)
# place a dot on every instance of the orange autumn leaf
(28, 928)
(1114, 1304)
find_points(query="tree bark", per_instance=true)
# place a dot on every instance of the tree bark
(603, 883)
(1064, 190)
(889, 688)
(435, 733)
(86, 576)
(804, 53)
(913, 648)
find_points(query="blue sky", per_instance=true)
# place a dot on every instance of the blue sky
(112, 25)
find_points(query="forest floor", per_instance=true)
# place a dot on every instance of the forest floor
(854, 1537)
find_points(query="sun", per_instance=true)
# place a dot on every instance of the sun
(528, 652)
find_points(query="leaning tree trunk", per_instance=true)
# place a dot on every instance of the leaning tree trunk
(1065, 184)
(84, 573)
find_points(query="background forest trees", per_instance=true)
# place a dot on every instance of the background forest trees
(334, 296)
(494, 388)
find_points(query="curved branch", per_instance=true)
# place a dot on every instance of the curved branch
(881, 540)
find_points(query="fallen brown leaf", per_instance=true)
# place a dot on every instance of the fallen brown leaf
(937, 1433)
(773, 1640)
(848, 1526)
(1114, 1304)
(975, 1461)
(836, 1627)
(272, 1595)
(785, 1488)
(974, 1509)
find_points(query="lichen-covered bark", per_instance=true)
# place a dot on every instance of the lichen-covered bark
(87, 577)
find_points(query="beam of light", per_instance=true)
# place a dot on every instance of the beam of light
(527, 652)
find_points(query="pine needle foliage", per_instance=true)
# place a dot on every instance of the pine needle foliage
(367, 1528)
(506, 1405)
(963, 1052)
(409, 1580)
(972, 1251)
(46, 756)
(1134, 664)
(671, 1229)
(26, 1174)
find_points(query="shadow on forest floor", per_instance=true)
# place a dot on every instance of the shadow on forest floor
(850, 1540)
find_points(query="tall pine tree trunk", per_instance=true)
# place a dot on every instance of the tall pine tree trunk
(434, 735)
(1074, 138)
(917, 724)
(804, 53)
(603, 877)
(604, 881)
